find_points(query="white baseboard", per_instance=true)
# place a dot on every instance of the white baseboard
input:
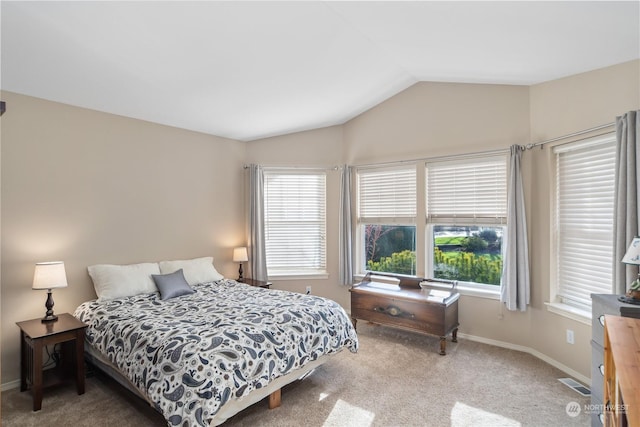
(10, 385)
(584, 380)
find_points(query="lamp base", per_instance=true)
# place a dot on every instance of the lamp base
(628, 300)
(240, 278)
(49, 318)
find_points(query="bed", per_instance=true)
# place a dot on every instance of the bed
(202, 356)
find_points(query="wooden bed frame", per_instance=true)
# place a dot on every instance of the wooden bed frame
(273, 391)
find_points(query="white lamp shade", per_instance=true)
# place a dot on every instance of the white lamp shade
(49, 275)
(240, 255)
(633, 253)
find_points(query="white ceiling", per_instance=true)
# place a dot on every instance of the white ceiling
(248, 70)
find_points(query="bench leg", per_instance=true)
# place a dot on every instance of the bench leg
(443, 346)
(354, 321)
(454, 335)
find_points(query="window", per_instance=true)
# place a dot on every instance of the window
(466, 219)
(465, 211)
(585, 176)
(295, 227)
(386, 219)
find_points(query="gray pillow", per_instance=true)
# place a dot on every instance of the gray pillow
(172, 285)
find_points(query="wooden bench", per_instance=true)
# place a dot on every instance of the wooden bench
(407, 305)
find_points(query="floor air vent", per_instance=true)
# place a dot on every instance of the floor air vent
(575, 385)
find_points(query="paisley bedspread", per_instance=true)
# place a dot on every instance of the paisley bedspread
(191, 354)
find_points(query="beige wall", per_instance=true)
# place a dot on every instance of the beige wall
(583, 101)
(86, 187)
(320, 148)
(425, 120)
(435, 119)
(439, 119)
(558, 108)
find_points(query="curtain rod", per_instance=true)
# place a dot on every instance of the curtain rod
(489, 152)
(571, 135)
(332, 168)
(439, 158)
(453, 156)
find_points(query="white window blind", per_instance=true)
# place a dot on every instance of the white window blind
(387, 195)
(295, 226)
(585, 176)
(470, 191)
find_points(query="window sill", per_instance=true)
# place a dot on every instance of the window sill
(299, 276)
(480, 293)
(462, 290)
(570, 312)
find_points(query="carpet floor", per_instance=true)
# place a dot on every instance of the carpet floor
(396, 379)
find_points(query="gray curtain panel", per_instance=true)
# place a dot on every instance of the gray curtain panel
(345, 249)
(257, 252)
(625, 220)
(515, 292)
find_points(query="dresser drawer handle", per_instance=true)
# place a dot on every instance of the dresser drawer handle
(601, 319)
(393, 311)
(601, 369)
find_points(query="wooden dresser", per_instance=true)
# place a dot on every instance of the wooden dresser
(406, 305)
(603, 304)
(621, 371)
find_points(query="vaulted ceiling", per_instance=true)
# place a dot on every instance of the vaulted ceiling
(249, 70)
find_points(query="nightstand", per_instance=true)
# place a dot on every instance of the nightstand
(257, 283)
(34, 336)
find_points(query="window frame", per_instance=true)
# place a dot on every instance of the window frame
(424, 252)
(429, 254)
(497, 221)
(361, 247)
(299, 272)
(558, 303)
(362, 221)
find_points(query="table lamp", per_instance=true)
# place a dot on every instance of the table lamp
(240, 255)
(49, 275)
(632, 256)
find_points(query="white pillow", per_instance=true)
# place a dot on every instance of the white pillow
(198, 270)
(117, 281)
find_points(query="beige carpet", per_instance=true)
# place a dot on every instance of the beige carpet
(396, 379)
